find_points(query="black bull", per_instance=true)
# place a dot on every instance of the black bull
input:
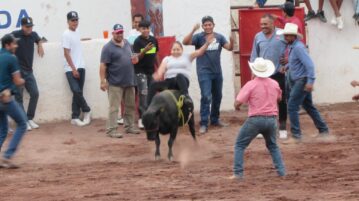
(162, 117)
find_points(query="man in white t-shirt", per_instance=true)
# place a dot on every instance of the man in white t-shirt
(75, 70)
(135, 31)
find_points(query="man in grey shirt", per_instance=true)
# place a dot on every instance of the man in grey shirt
(268, 45)
(117, 77)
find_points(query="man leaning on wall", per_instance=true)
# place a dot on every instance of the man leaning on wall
(75, 70)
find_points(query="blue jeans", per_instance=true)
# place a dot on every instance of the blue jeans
(298, 97)
(267, 126)
(211, 96)
(78, 100)
(31, 88)
(15, 112)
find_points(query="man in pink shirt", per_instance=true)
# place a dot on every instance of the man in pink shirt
(262, 95)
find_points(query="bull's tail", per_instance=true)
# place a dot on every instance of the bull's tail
(191, 126)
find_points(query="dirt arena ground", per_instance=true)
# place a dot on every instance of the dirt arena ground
(62, 162)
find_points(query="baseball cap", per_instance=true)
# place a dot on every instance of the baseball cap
(72, 15)
(289, 8)
(118, 28)
(27, 21)
(7, 39)
(207, 18)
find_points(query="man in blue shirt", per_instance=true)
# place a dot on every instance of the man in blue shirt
(301, 79)
(10, 77)
(269, 45)
(209, 70)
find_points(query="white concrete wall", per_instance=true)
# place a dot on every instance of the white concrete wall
(337, 63)
(251, 2)
(50, 15)
(55, 96)
(179, 18)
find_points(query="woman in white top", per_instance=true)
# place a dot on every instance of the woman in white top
(176, 70)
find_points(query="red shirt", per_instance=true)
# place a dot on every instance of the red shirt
(293, 20)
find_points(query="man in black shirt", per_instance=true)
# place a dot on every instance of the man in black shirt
(25, 54)
(146, 46)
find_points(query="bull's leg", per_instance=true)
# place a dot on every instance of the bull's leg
(170, 144)
(158, 142)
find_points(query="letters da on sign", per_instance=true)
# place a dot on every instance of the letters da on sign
(6, 18)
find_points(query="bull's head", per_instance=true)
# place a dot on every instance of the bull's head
(151, 123)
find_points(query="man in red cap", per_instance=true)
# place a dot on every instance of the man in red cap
(118, 79)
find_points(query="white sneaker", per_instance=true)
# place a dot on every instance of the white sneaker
(259, 136)
(140, 125)
(28, 126)
(340, 23)
(33, 124)
(120, 121)
(87, 118)
(334, 21)
(283, 134)
(77, 122)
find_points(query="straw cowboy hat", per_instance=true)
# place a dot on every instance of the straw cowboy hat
(290, 29)
(262, 67)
